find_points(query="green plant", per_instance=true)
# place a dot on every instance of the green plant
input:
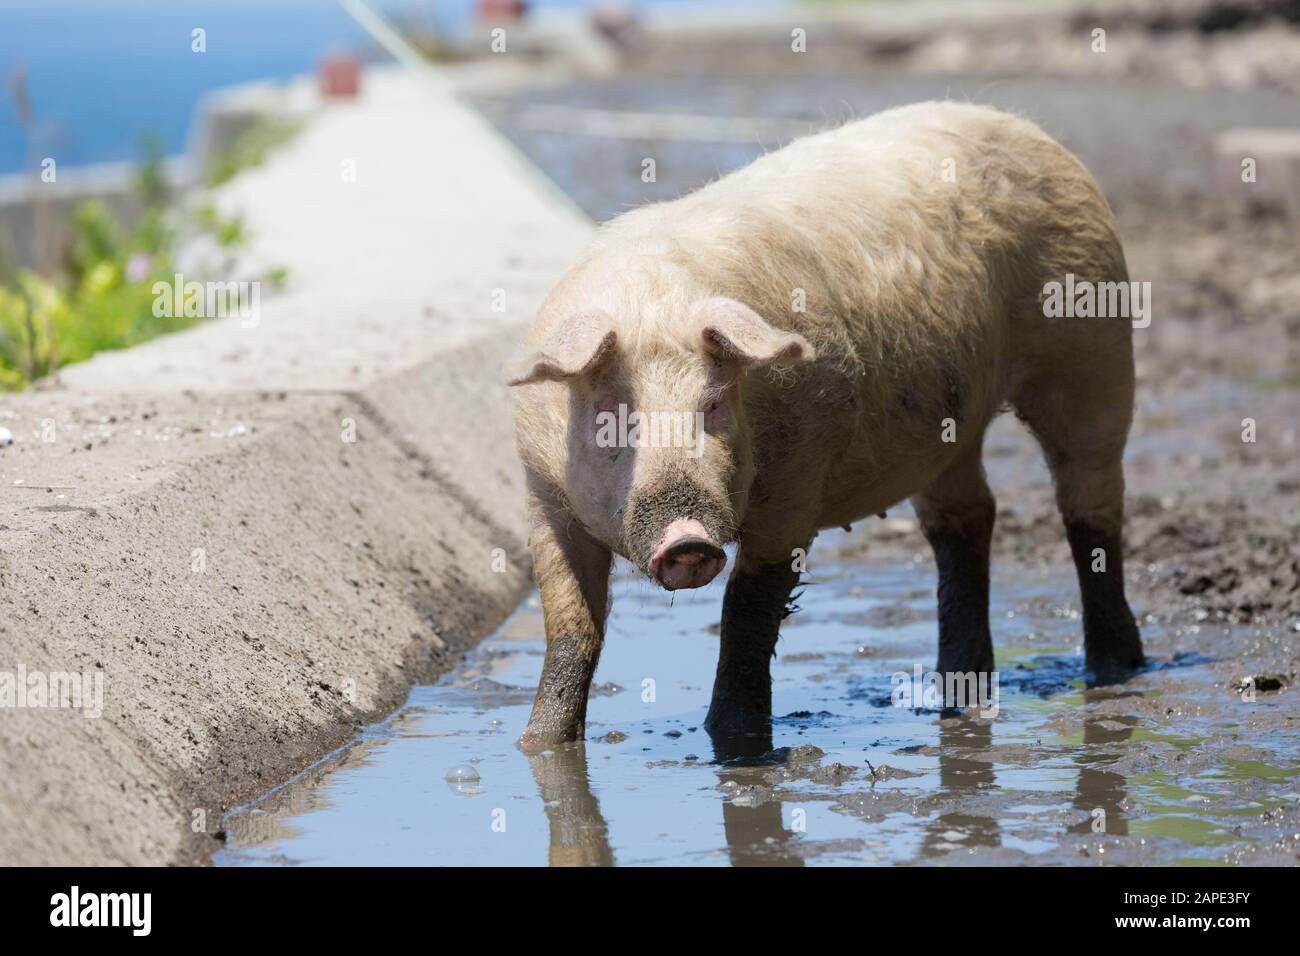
(96, 305)
(102, 296)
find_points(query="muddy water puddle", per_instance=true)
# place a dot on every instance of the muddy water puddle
(1172, 768)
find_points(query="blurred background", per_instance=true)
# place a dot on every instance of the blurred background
(120, 123)
(135, 107)
(102, 78)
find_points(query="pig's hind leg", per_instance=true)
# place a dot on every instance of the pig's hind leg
(956, 512)
(1080, 416)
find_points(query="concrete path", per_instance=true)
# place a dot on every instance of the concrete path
(397, 217)
(254, 539)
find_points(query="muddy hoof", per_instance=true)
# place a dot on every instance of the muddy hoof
(738, 735)
(537, 741)
(1113, 670)
(736, 721)
(979, 665)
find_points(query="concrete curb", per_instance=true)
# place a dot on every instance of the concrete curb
(334, 575)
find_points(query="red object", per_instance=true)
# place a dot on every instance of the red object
(340, 75)
(502, 9)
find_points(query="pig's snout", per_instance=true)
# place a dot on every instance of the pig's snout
(686, 556)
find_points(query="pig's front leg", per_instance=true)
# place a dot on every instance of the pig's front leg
(572, 573)
(752, 610)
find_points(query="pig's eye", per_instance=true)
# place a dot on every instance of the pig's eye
(713, 401)
(714, 408)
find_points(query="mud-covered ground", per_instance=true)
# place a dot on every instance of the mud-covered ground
(1194, 761)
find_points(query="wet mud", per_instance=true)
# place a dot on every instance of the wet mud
(1177, 766)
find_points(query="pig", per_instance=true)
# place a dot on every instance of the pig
(842, 318)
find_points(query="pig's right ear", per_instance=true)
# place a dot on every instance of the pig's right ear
(578, 347)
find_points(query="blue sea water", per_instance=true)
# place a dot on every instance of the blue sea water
(103, 74)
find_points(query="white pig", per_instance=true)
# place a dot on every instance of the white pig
(843, 317)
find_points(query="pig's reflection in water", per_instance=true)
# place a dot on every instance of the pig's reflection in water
(965, 768)
(580, 833)
(1099, 787)
(756, 834)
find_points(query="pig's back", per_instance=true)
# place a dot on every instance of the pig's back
(912, 248)
(923, 232)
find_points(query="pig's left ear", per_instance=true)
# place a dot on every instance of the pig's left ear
(736, 333)
(579, 346)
